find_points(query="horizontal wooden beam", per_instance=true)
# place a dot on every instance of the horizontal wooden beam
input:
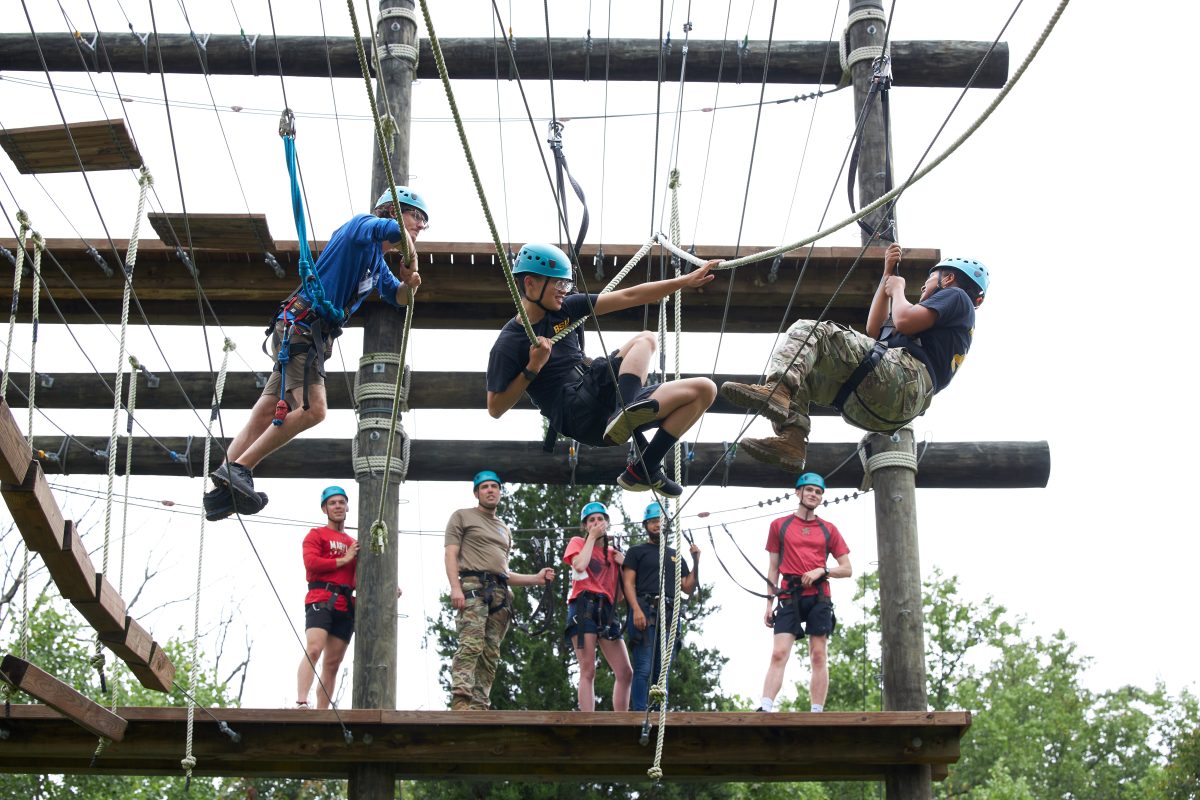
(92, 717)
(463, 285)
(914, 63)
(968, 465)
(442, 390)
(498, 745)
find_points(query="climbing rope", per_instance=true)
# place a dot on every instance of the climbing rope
(666, 643)
(19, 268)
(501, 254)
(378, 531)
(188, 762)
(39, 245)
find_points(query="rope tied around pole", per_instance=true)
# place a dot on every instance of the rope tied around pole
(898, 459)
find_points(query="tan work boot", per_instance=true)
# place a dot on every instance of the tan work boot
(788, 451)
(770, 401)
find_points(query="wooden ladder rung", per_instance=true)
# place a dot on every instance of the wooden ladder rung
(62, 698)
(159, 672)
(35, 510)
(71, 567)
(14, 450)
(134, 645)
(104, 610)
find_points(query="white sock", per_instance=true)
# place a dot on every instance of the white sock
(767, 704)
(817, 707)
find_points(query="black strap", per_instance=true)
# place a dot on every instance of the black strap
(864, 368)
(880, 83)
(790, 579)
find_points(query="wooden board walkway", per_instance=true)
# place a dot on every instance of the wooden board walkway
(499, 745)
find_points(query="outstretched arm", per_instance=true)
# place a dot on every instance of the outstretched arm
(653, 291)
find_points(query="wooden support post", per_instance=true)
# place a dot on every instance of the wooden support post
(14, 450)
(902, 613)
(71, 567)
(375, 657)
(869, 32)
(62, 698)
(35, 510)
(158, 673)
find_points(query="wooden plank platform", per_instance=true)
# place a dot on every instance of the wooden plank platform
(944, 465)
(463, 286)
(38, 683)
(215, 231)
(101, 144)
(500, 745)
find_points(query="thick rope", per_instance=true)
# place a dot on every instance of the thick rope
(501, 254)
(188, 762)
(23, 220)
(379, 531)
(39, 245)
(620, 276)
(902, 459)
(884, 199)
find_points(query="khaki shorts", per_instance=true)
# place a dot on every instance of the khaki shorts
(301, 352)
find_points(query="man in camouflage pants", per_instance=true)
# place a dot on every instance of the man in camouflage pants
(477, 547)
(878, 382)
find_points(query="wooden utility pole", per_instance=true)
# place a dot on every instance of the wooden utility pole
(865, 36)
(903, 617)
(375, 656)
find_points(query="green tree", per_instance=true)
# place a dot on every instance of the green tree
(537, 665)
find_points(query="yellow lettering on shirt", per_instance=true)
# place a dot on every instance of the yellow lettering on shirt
(562, 326)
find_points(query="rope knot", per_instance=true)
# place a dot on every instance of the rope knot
(674, 184)
(98, 661)
(134, 363)
(230, 345)
(657, 692)
(188, 763)
(22, 218)
(145, 179)
(379, 531)
(38, 241)
(654, 773)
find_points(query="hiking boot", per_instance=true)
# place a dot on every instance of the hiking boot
(788, 451)
(625, 421)
(219, 504)
(631, 479)
(237, 478)
(771, 401)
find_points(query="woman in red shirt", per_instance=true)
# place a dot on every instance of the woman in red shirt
(595, 590)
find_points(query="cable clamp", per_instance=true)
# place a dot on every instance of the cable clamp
(287, 124)
(45, 381)
(272, 262)
(251, 44)
(100, 262)
(187, 262)
(202, 46)
(143, 39)
(555, 129)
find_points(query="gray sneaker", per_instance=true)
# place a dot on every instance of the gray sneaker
(238, 479)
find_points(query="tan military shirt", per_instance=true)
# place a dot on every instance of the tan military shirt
(483, 541)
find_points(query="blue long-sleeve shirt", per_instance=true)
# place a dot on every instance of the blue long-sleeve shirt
(351, 266)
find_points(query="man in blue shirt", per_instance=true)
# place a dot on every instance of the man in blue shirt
(878, 382)
(601, 402)
(349, 269)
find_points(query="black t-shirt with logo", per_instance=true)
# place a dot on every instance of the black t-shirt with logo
(943, 347)
(643, 560)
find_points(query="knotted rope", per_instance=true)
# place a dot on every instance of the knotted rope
(19, 269)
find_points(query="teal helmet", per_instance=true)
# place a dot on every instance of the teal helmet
(810, 479)
(653, 511)
(333, 491)
(543, 259)
(973, 271)
(407, 198)
(593, 508)
(486, 475)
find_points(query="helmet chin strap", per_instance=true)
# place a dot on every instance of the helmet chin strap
(542, 293)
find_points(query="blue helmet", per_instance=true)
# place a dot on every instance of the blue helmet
(653, 511)
(487, 475)
(973, 271)
(593, 508)
(810, 479)
(333, 491)
(543, 259)
(407, 198)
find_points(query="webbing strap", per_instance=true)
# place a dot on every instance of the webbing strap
(560, 167)
(880, 83)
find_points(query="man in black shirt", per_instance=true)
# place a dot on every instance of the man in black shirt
(878, 382)
(603, 403)
(641, 579)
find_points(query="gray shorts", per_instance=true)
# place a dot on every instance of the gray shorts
(299, 371)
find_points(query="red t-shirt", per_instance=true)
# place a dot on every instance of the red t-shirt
(602, 576)
(804, 546)
(322, 548)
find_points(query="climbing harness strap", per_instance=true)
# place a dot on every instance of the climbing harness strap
(864, 368)
(793, 582)
(597, 608)
(334, 589)
(561, 169)
(489, 582)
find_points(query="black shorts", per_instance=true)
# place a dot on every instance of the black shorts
(335, 623)
(583, 409)
(812, 614)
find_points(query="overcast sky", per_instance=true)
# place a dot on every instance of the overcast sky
(1074, 175)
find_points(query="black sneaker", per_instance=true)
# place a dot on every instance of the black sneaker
(219, 504)
(633, 481)
(625, 421)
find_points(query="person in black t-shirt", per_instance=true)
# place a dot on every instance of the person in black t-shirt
(877, 382)
(640, 577)
(604, 402)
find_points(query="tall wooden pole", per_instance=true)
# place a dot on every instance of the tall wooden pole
(375, 656)
(900, 604)
(868, 31)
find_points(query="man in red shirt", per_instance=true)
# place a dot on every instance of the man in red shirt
(800, 545)
(330, 560)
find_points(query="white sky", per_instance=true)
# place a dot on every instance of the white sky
(1077, 159)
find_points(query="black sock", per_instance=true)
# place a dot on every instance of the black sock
(653, 454)
(628, 386)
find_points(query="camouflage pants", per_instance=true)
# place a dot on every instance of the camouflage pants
(479, 635)
(897, 391)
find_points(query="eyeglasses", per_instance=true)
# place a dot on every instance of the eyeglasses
(561, 285)
(419, 215)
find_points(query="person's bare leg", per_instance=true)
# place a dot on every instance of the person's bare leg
(618, 660)
(636, 355)
(586, 658)
(781, 651)
(276, 436)
(314, 645)
(818, 650)
(681, 403)
(335, 651)
(260, 419)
